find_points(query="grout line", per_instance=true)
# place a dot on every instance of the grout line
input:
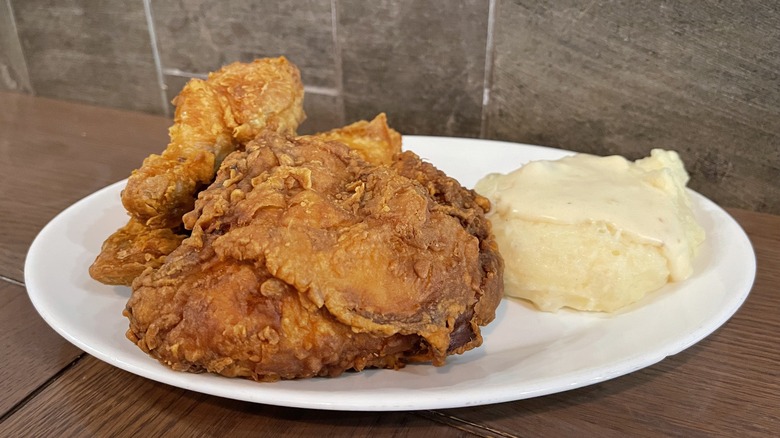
(26, 79)
(325, 91)
(487, 83)
(12, 281)
(337, 61)
(156, 56)
(183, 74)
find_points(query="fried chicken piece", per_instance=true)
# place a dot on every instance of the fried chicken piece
(305, 260)
(469, 208)
(130, 250)
(213, 118)
(374, 141)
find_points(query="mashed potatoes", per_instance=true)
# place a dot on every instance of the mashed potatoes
(593, 233)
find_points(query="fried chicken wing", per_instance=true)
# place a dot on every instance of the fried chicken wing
(375, 141)
(213, 118)
(305, 260)
(132, 249)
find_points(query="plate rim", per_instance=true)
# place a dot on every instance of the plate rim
(439, 401)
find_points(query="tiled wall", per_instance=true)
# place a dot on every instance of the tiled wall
(599, 76)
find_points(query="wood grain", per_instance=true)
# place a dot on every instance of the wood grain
(95, 399)
(32, 352)
(52, 153)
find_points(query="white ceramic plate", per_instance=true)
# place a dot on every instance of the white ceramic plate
(526, 353)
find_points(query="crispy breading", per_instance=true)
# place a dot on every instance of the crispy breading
(375, 141)
(213, 118)
(132, 249)
(305, 260)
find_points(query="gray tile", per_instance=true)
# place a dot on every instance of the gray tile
(323, 113)
(13, 68)
(173, 86)
(200, 36)
(624, 77)
(95, 52)
(420, 62)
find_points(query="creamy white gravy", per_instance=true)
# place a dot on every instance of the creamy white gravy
(642, 204)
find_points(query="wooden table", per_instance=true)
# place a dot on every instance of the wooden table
(52, 153)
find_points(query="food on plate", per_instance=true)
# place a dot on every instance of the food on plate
(132, 249)
(306, 256)
(593, 233)
(306, 260)
(213, 118)
(375, 141)
(135, 247)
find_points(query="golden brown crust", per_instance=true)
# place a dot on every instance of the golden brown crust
(213, 118)
(305, 260)
(130, 250)
(469, 208)
(120, 261)
(374, 141)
